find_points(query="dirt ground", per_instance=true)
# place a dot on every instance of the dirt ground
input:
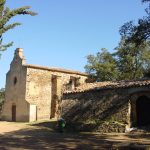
(41, 136)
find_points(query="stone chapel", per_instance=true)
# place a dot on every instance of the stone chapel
(41, 93)
(34, 92)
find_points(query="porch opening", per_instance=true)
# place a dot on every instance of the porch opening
(143, 111)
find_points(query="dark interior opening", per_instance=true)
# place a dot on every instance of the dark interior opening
(15, 80)
(13, 112)
(143, 111)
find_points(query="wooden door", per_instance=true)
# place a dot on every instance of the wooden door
(13, 112)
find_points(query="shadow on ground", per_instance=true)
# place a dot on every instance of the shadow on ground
(41, 136)
(49, 125)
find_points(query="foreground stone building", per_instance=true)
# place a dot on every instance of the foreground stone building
(34, 92)
(40, 93)
(108, 106)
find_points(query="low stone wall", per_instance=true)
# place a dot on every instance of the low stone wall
(103, 127)
(97, 110)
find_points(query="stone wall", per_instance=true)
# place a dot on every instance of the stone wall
(15, 90)
(100, 110)
(133, 100)
(103, 110)
(38, 91)
(66, 77)
(44, 89)
(31, 93)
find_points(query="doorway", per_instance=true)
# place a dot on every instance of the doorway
(143, 111)
(14, 113)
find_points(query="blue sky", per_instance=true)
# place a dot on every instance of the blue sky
(65, 31)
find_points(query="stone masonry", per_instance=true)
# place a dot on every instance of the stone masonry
(34, 92)
(41, 93)
(108, 107)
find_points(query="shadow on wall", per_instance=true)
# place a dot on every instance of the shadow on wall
(93, 109)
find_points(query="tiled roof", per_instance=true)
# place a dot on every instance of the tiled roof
(56, 69)
(109, 85)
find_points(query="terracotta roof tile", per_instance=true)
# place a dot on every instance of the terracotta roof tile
(109, 85)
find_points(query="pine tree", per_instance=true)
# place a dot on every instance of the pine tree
(5, 15)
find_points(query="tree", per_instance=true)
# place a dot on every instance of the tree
(132, 61)
(102, 67)
(5, 15)
(145, 1)
(2, 97)
(129, 62)
(132, 57)
(137, 33)
(136, 40)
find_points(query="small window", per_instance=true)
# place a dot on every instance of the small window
(15, 80)
(70, 86)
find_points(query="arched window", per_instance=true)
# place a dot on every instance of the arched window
(15, 80)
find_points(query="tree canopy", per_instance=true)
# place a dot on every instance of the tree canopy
(133, 62)
(102, 66)
(131, 59)
(140, 32)
(2, 97)
(5, 15)
(126, 63)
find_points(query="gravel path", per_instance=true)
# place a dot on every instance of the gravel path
(24, 136)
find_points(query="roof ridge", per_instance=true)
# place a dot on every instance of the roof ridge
(55, 69)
